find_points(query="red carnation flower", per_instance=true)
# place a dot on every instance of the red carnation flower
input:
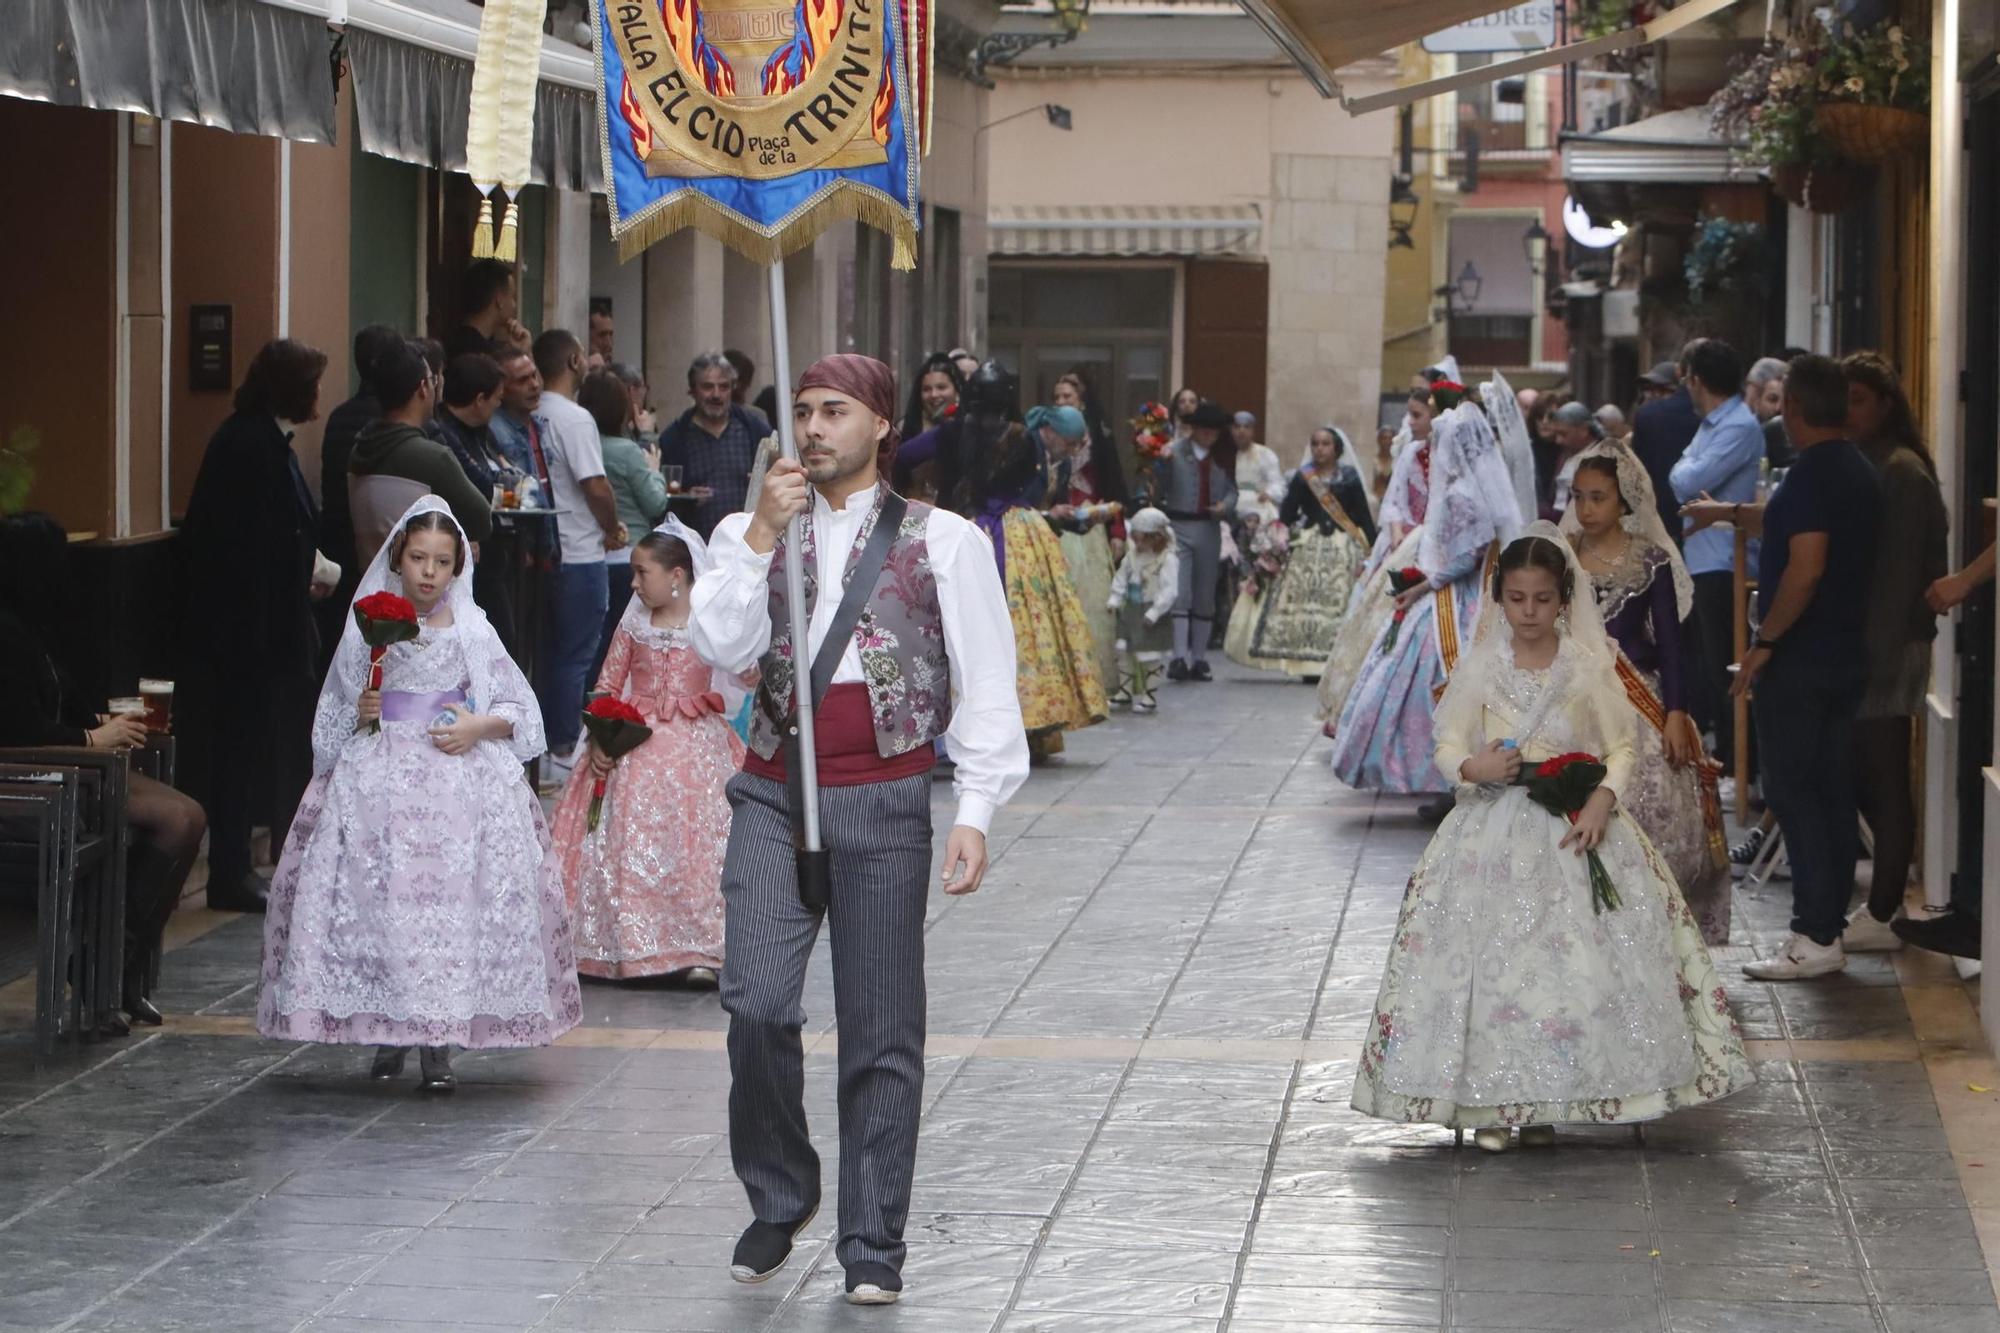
(384, 619)
(1550, 768)
(616, 728)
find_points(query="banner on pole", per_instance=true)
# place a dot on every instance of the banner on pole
(762, 123)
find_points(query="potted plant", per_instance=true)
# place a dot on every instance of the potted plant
(1873, 91)
(1768, 104)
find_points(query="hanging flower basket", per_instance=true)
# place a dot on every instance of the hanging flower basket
(1822, 187)
(1872, 134)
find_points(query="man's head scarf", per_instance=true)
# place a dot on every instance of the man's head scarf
(868, 382)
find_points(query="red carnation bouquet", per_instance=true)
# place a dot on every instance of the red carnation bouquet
(1562, 786)
(1152, 431)
(617, 729)
(384, 619)
(1400, 582)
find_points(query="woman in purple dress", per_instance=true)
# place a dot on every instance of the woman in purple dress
(1644, 593)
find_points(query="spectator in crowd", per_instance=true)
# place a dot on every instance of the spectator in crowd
(1385, 462)
(1575, 430)
(587, 527)
(395, 444)
(1807, 672)
(40, 705)
(1764, 391)
(336, 536)
(645, 426)
(336, 525)
(1899, 628)
(1663, 425)
(1260, 478)
(1721, 463)
(634, 474)
(1548, 454)
(746, 374)
(767, 404)
(603, 329)
(248, 686)
(966, 362)
(1611, 423)
(518, 427)
(473, 389)
(473, 386)
(1955, 931)
(489, 306)
(714, 442)
(934, 394)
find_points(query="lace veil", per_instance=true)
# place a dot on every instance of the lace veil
(494, 679)
(1585, 670)
(638, 619)
(1635, 485)
(1471, 496)
(1516, 448)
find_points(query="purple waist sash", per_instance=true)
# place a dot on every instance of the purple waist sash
(403, 706)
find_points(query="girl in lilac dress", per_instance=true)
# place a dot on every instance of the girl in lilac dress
(415, 904)
(645, 887)
(1644, 592)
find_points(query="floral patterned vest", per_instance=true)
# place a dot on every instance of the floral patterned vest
(900, 637)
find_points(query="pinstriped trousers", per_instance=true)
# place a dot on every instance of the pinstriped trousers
(880, 838)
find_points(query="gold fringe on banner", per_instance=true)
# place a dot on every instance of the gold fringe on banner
(694, 209)
(482, 231)
(508, 247)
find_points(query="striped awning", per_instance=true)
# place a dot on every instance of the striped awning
(1127, 230)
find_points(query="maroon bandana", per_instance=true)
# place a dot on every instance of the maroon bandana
(868, 382)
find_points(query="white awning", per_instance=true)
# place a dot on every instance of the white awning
(1322, 35)
(1127, 230)
(1672, 148)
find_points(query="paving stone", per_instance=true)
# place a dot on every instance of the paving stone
(1145, 1148)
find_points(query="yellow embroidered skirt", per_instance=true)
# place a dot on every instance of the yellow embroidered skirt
(1058, 680)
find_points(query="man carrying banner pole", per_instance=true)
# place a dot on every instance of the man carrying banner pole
(908, 640)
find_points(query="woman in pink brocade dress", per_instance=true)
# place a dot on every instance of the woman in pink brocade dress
(645, 888)
(414, 904)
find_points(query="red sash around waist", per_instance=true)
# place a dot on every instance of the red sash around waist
(844, 739)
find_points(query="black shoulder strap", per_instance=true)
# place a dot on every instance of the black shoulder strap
(854, 600)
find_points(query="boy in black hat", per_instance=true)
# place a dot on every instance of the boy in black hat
(1198, 491)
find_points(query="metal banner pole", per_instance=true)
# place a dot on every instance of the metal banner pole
(795, 571)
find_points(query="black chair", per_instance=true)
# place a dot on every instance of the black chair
(38, 840)
(97, 884)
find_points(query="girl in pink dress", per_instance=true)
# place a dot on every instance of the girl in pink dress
(414, 904)
(645, 888)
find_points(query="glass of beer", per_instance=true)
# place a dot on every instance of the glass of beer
(672, 473)
(158, 698)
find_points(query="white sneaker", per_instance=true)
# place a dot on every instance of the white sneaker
(1864, 934)
(1799, 959)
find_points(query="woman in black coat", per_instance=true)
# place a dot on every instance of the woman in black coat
(40, 707)
(250, 648)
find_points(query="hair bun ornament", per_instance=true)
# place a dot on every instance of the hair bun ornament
(1447, 394)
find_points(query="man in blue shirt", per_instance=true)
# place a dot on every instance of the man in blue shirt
(1721, 463)
(1808, 668)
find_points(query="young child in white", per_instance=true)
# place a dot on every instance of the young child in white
(415, 903)
(1142, 595)
(1508, 1000)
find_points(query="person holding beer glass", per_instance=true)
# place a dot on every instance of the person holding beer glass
(39, 705)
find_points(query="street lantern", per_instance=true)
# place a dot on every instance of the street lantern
(1467, 285)
(1535, 244)
(1403, 205)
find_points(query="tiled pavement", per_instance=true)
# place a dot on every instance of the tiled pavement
(1143, 1035)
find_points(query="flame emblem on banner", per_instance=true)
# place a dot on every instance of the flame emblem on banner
(684, 28)
(814, 24)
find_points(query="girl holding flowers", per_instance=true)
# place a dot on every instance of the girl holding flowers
(413, 904)
(1545, 970)
(645, 882)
